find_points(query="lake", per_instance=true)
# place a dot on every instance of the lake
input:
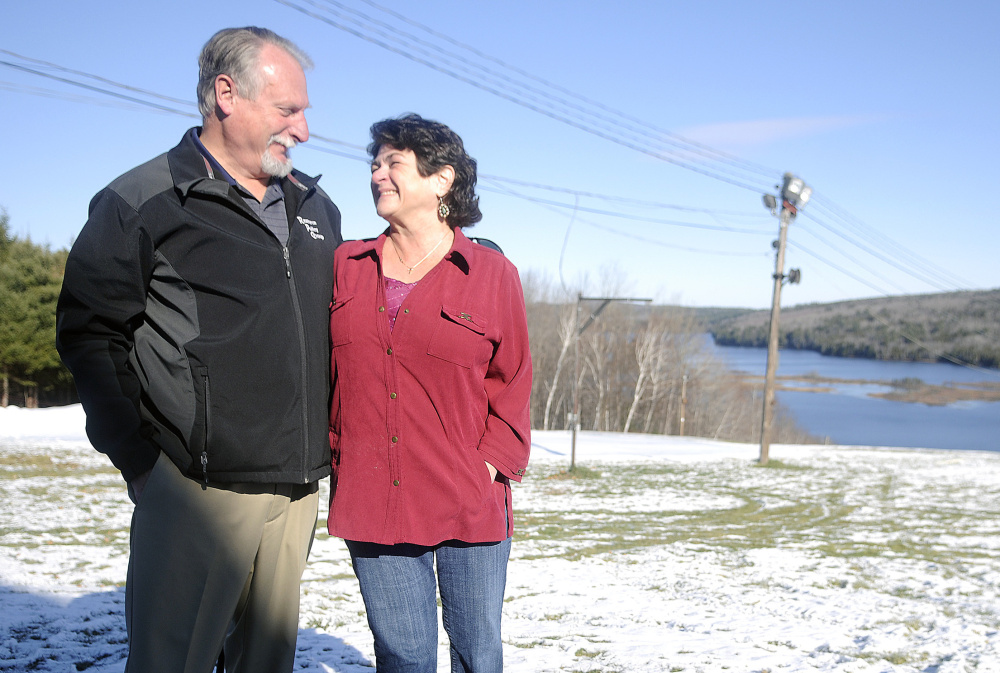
(848, 415)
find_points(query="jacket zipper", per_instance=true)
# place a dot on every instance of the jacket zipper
(303, 356)
(300, 327)
(208, 428)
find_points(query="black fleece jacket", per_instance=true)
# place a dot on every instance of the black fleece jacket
(190, 329)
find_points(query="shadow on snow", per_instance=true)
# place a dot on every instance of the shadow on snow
(45, 632)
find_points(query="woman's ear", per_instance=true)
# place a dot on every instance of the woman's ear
(445, 178)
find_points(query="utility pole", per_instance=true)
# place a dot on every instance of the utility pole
(794, 195)
(579, 329)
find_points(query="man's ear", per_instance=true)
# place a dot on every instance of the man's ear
(225, 94)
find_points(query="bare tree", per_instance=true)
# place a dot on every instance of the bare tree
(633, 361)
(567, 332)
(648, 349)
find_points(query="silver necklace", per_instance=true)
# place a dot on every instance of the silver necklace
(409, 269)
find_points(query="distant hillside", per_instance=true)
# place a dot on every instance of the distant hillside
(949, 326)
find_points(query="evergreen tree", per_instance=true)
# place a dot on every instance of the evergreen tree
(30, 279)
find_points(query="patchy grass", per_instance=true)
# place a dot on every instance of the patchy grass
(831, 511)
(576, 472)
(846, 516)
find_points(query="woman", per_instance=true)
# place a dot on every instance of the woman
(430, 421)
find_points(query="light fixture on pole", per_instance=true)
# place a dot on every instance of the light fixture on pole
(794, 195)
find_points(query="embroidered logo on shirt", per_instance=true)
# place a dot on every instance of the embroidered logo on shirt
(311, 227)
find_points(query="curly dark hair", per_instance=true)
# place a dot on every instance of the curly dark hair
(435, 146)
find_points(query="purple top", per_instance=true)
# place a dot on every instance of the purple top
(395, 294)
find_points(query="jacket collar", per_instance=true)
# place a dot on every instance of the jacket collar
(461, 251)
(191, 170)
(460, 254)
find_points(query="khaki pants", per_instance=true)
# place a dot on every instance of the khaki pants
(216, 566)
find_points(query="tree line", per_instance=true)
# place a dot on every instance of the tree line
(645, 370)
(959, 327)
(31, 373)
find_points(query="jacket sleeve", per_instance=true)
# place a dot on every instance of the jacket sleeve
(506, 444)
(102, 298)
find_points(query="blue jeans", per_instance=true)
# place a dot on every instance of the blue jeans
(399, 586)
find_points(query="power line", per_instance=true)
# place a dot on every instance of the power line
(342, 143)
(936, 353)
(555, 207)
(349, 146)
(619, 199)
(547, 96)
(680, 139)
(835, 267)
(355, 157)
(596, 130)
(854, 260)
(637, 218)
(42, 92)
(97, 78)
(335, 152)
(919, 275)
(905, 256)
(578, 116)
(106, 92)
(134, 100)
(879, 239)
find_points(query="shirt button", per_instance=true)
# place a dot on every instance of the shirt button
(395, 482)
(406, 310)
(388, 351)
(381, 309)
(392, 396)
(395, 439)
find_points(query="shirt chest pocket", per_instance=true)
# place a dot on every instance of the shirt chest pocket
(340, 321)
(460, 338)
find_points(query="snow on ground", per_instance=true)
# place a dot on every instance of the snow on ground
(669, 554)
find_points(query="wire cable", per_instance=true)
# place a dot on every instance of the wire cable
(42, 92)
(680, 139)
(557, 208)
(546, 96)
(623, 134)
(636, 218)
(879, 255)
(618, 199)
(97, 78)
(904, 259)
(879, 239)
(854, 260)
(714, 172)
(107, 92)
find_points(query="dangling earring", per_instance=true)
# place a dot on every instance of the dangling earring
(443, 208)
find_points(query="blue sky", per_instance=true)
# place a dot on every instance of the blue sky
(889, 110)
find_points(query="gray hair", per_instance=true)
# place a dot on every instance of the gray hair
(236, 52)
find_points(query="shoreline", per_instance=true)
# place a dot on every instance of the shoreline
(902, 390)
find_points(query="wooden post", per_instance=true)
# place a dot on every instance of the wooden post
(684, 401)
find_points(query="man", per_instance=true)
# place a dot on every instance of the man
(194, 316)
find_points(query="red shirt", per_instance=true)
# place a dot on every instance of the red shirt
(419, 410)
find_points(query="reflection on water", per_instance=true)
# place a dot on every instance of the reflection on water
(847, 414)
